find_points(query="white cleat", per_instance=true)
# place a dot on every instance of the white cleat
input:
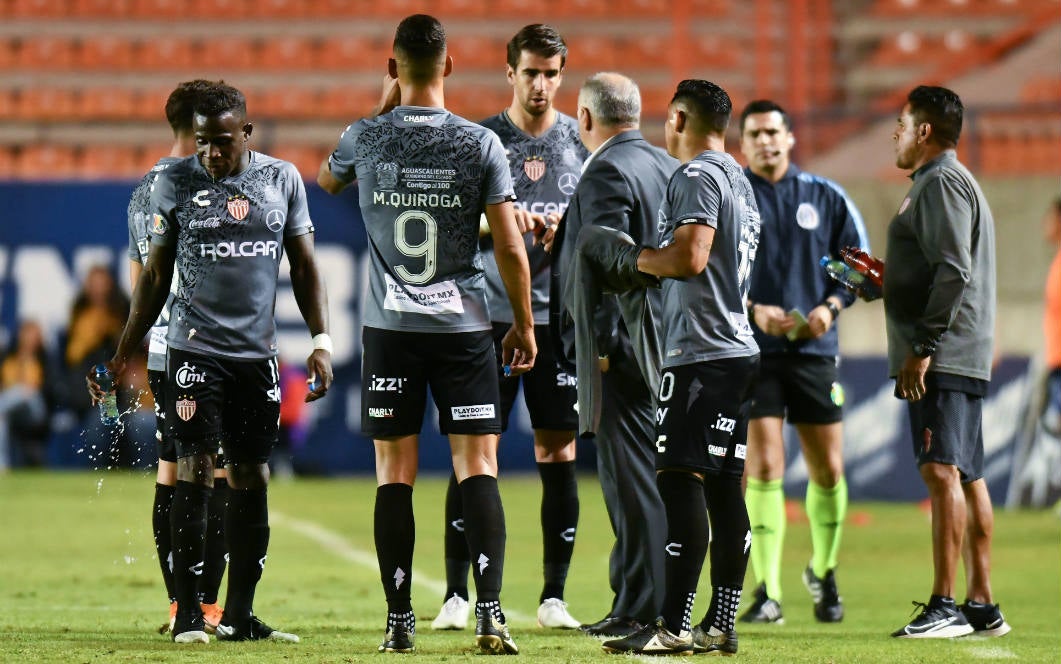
(453, 615)
(553, 613)
(193, 636)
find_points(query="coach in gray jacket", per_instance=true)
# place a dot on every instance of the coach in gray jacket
(622, 185)
(939, 303)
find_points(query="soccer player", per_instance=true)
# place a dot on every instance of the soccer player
(545, 157)
(804, 217)
(424, 177)
(225, 217)
(709, 231)
(179, 112)
(939, 308)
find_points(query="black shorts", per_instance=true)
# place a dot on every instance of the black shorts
(397, 368)
(164, 446)
(702, 415)
(805, 387)
(947, 428)
(212, 401)
(549, 392)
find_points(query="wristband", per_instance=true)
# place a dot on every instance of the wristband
(322, 342)
(833, 309)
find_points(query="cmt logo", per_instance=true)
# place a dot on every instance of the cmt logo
(189, 374)
(239, 249)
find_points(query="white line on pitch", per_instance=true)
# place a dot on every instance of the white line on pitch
(340, 546)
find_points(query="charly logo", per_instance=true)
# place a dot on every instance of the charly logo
(238, 207)
(189, 375)
(534, 167)
(275, 219)
(387, 175)
(566, 183)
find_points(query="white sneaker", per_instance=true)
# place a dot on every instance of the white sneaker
(193, 636)
(454, 614)
(553, 613)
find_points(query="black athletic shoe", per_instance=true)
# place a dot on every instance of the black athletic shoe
(253, 630)
(763, 609)
(612, 627)
(492, 635)
(713, 641)
(399, 638)
(986, 619)
(654, 639)
(828, 605)
(939, 619)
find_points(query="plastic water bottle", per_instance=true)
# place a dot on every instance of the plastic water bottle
(864, 263)
(108, 408)
(855, 281)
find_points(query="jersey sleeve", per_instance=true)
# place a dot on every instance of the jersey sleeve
(695, 195)
(342, 161)
(497, 179)
(298, 219)
(134, 250)
(162, 226)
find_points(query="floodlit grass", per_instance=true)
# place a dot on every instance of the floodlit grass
(79, 581)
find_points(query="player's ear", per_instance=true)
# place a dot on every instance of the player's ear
(679, 120)
(510, 74)
(247, 129)
(449, 66)
(392, 67)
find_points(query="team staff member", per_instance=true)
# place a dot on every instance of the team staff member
(545, 157)
(804, 217)
(424, 177)
(225, 217)
(939, 306)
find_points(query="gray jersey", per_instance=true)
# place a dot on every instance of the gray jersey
(424, 177)
(704, 316)
(229, 238)
(139, 214)
(545, 171)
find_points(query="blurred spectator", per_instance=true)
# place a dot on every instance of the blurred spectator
(294, 421)
(1052, 320)
(28, 385)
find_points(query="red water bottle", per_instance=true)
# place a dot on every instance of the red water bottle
(865, 264)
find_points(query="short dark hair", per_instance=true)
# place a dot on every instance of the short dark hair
(764, 106)
(420, 42)
(939, 107)
(707, 103)
(180, 105)
(539, 39)
(221, 98)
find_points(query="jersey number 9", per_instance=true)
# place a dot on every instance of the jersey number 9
(428, 249)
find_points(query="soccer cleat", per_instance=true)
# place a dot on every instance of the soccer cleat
(713, 641)
(763, 609)
(453, 615)
(168, 626)
(492, 636)
(939, 619)
(399, 638)
(985, 619)
(212, 614)
(612, 627)
(553, 613)
(654, 639)
(192, 636)
(254, 630)
(828, 605)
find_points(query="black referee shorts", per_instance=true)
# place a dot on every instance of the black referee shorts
(805, 388)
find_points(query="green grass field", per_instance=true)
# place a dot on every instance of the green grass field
(79, 581)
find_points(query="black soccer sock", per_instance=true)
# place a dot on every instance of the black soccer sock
(730, 547)
(484, 527)
(214, 555)
(247, 536)
(456, 546)
(686, 546)
(559, 515)
(395, 533)
(188, 531)
(160, 527)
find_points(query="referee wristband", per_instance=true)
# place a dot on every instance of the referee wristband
(322, 342)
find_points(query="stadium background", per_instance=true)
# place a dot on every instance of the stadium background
(83, 83)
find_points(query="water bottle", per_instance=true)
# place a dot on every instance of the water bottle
(108, 408)
(864, 263)
(854, 281)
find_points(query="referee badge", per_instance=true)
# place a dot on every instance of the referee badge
(185, 409)
(836, 394)
(238, 207)
(534, 167)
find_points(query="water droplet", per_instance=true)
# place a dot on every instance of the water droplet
(99, 487)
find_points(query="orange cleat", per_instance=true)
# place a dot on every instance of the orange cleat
(212, 614)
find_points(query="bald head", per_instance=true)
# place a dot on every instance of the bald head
(612, 99)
